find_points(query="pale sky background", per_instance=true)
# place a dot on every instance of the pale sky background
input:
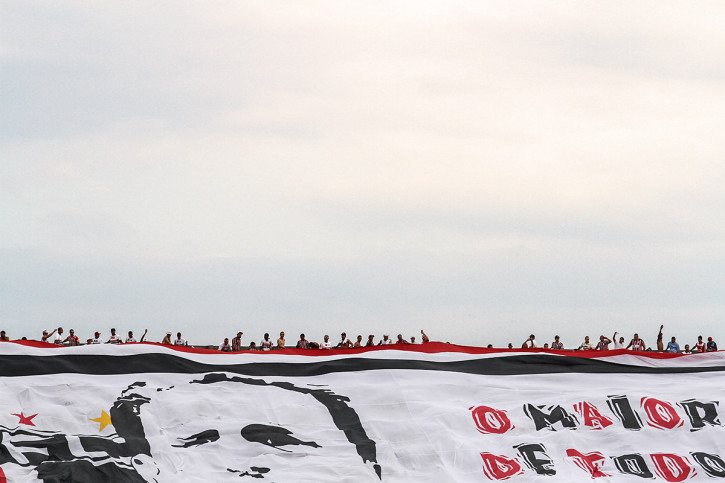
(478, 169)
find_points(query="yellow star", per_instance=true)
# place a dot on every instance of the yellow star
(104, 419)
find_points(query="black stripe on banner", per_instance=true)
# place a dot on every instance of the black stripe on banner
(27, 365)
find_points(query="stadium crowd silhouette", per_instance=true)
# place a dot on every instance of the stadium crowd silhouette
(617, 341)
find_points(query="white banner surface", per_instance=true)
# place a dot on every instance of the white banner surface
(433, 413)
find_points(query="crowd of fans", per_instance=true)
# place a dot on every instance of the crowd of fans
(635, 344)
(235, 345)
(267, 344)
(56, 336)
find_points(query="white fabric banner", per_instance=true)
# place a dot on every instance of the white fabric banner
(433, 413)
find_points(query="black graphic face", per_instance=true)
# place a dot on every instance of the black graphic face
(248, 427)
(253, 423)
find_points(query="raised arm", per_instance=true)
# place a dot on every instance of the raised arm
(46, 337)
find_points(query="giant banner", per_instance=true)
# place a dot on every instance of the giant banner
(436, 412)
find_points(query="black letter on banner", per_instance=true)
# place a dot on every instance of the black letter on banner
(700, 413)
(543, 464)
(623, 410)
(711, 463)
(556, 414)
(633, 464)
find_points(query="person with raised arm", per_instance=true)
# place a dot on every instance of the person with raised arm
(131, 339)
(529, 343)
(603, 344)
(46, 335)
(618, 343)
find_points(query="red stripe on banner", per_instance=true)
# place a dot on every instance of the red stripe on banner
(35, 343)
(429, 348)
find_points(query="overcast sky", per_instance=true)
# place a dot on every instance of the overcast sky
(480, 170)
